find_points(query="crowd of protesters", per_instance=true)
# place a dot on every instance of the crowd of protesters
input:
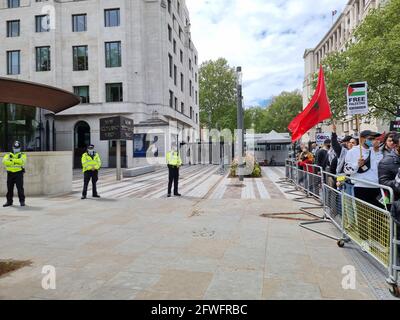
(367, 161)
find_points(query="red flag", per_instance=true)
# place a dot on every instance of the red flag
(317, 111)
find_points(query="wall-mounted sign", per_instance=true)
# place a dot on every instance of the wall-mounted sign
(116, 128)
(357, 98)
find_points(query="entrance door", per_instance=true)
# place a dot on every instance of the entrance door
(81, 142)
(113, 154)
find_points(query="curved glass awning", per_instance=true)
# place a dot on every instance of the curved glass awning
(36, 95)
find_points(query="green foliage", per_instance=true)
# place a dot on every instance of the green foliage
(277, 116)
(250, 162)
(257, 171)
(374, 57)
(218, 102)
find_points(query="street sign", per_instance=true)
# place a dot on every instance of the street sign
(321, 137)
(116, 128)
(357, 98)
(395, 126)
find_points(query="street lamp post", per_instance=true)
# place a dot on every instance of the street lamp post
(240, 121)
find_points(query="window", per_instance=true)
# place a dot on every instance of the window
(175, 75)
(13, 27)
(79, 23)
(13, 62)
(191, 112)
(169, 33)
(170, 63)
(80, 58)
(190, 64)
(181, 56)
(42, 23)
(43, 59)
(112, 17)
(195, 97)
(176, 103)
(182, 107)
(13, 3)
(169, 6)
(190, 87)
(174, 46)
(113, 54)
(83, 93)
(197, 118)
(180, 33)
(114, 92)
(182, 82)
(171, 98)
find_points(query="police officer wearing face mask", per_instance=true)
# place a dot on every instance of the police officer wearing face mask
(363, 166)
(91, 164)
(14, 163)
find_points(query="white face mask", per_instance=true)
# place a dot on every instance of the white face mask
(91, 153)
(16, 150)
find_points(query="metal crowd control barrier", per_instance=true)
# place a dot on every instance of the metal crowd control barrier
(370, 227)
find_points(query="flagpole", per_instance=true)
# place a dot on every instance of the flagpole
(359, 132)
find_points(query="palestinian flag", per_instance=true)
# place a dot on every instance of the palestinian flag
(357, 90)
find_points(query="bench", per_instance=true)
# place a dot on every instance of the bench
(138, 171)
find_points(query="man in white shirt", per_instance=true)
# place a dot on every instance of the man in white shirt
(365, 169)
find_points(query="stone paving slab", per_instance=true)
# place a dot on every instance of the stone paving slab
(138, 249)
(139, 245)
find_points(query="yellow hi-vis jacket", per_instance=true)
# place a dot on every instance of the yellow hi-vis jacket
(173, 159)
(14, 162)
(89, 163)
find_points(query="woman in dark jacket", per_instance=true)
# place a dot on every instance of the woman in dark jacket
(388, 143)
(388, 169)
(389, 175)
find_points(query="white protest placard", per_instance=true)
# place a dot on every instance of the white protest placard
(357, 98)
(321, 137)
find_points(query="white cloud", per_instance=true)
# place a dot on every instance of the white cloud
(266, 37)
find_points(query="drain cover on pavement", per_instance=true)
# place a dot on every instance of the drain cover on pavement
(203, 233)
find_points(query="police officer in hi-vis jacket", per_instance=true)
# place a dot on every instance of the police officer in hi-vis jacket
(91, 164)
(14, 163)
(174, 162)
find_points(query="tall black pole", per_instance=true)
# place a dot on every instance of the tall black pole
(240, 121)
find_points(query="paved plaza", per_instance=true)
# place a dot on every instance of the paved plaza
(213, 243)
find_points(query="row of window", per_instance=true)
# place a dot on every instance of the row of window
(174, 43)
(173, 103)
(173, 73)
(79, 22)
(79, 54)
(114, 92)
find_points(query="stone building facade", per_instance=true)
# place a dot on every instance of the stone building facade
(133, 58)
(335, 40)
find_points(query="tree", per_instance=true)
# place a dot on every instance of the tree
(218, 102)
(374, 57)
(283, 109)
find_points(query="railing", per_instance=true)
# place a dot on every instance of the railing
(369, 225)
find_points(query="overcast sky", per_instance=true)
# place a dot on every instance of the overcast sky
(266, 37)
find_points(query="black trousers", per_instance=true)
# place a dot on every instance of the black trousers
(15, 178)
(90, 175)
(173, 178)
